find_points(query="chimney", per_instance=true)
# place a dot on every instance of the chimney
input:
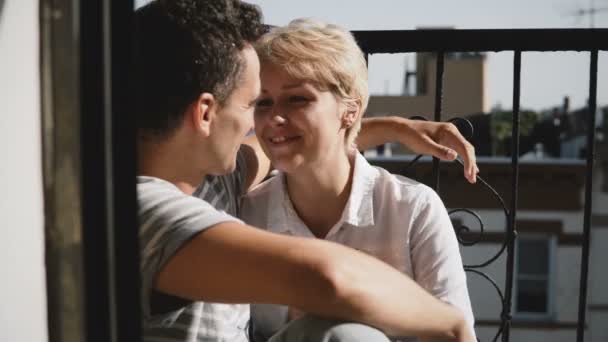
(566, 106)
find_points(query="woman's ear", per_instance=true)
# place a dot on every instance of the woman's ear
(202, 113)
(350, 114)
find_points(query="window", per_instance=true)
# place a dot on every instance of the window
(534, 258)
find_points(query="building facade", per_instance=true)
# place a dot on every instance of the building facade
(548, 247)
(460, 69)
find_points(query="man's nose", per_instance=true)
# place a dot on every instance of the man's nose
(278, 119)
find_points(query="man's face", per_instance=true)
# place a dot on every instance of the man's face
(235, 118)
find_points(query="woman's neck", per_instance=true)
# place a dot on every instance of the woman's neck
(320, 192)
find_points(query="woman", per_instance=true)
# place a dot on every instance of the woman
(314, 92)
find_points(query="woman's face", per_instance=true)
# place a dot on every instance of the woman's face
(297, 124)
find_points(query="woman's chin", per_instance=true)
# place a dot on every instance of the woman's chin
(286, 165)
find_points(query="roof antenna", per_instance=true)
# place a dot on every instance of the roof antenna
(590, 12)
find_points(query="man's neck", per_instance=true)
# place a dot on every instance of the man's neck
(320, 193)
(169, 163)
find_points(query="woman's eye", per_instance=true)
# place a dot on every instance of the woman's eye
(297, 99)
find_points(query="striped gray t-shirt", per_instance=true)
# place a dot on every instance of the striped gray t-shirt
(168, 219)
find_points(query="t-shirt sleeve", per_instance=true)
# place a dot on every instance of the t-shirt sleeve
(225, 192)
(168, 219)
(435, 255)
(236, 180)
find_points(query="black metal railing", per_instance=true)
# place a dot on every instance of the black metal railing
(441, 42)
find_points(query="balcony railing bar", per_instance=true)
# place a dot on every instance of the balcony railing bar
(512, 232)
(438, 109)
(518, 41)
(582, 304)
(482, 40)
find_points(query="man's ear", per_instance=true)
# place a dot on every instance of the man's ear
(203, 112)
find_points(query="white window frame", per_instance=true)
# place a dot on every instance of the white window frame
(552, 250)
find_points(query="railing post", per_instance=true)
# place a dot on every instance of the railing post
(582, 300)
(439, 70)
(511, 231)
(518, 41)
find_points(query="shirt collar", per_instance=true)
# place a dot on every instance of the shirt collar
(359, 210)
(282, 217)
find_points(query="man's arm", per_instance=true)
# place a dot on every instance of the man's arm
(439, 139)
(234, 263)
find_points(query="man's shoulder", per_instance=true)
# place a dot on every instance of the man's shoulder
(157, 197)
(149, 182)
(151, 189)
(167, 216)
(154, 189)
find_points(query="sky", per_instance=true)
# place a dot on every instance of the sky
(546, 77)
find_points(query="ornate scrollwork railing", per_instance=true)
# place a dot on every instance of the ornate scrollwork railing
(464, 231)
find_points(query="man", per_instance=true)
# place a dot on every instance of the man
(196, 85)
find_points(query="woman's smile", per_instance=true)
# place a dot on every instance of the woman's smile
(282, 140)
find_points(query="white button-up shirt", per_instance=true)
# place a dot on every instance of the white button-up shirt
(394, 218)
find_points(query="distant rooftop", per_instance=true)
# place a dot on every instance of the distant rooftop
(483, 160)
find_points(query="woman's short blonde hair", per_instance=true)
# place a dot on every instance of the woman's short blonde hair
(325, 54)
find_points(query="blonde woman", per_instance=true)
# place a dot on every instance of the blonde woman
(314, 93)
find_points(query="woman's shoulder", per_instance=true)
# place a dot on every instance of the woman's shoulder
(401, 187)
(255, 204)
(266, 187)
(405, 197)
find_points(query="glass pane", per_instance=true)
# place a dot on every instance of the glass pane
(532, 296)
(533, 257)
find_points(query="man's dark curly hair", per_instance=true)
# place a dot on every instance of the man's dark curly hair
(184, 48)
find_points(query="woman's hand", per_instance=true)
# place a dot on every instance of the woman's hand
(439, 139)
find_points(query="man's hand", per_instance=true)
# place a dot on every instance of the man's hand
(293, 313)
(461, 333)
(466, 335)
(439, 139)
(442, 140)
